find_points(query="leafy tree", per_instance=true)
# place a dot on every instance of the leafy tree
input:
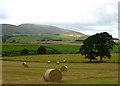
(99, 44)
(38, 41)
(13, 41)
(41, 50)
(24, 52)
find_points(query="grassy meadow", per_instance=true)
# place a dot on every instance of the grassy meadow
(62, 48)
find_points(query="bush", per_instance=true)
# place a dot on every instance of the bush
(24, 52)
(41, 50)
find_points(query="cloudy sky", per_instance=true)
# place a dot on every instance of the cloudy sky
(86, 16)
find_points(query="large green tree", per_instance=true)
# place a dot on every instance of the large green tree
(41, 50)
(96, 45)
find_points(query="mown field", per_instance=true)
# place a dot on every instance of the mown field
(79, 73)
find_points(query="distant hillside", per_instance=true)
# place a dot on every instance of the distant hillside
(37, 29)
(46, 29)
(8, 29)
(41, 29)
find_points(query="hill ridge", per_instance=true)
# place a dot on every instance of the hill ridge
(37, 29)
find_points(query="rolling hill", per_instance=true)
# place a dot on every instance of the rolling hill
(36, 29)
(34, 32)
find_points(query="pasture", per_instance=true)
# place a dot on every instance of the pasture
(61, 48)
(43, 37)
(78, 73)
(14, 50)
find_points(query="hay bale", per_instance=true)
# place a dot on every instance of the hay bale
(57, 62)
(25, 64)
(53, 75)
(49, 62)
(64, 68)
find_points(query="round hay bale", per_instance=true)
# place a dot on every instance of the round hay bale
(25, 64)
(57, 62)
(64, 68)
(53, 75)
(49, 62)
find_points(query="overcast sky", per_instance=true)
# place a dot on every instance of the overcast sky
(86, 16)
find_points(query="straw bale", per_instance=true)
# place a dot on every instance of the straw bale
(64, 68)
(49, 62)
(57, 62)
(25, 64)
(53, 75)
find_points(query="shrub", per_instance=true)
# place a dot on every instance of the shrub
(24, 52)
(41, 50)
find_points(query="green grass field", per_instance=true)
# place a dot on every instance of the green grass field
(41, 37)
(61, 48)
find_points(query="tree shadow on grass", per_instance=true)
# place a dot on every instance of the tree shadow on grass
(101, 62)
